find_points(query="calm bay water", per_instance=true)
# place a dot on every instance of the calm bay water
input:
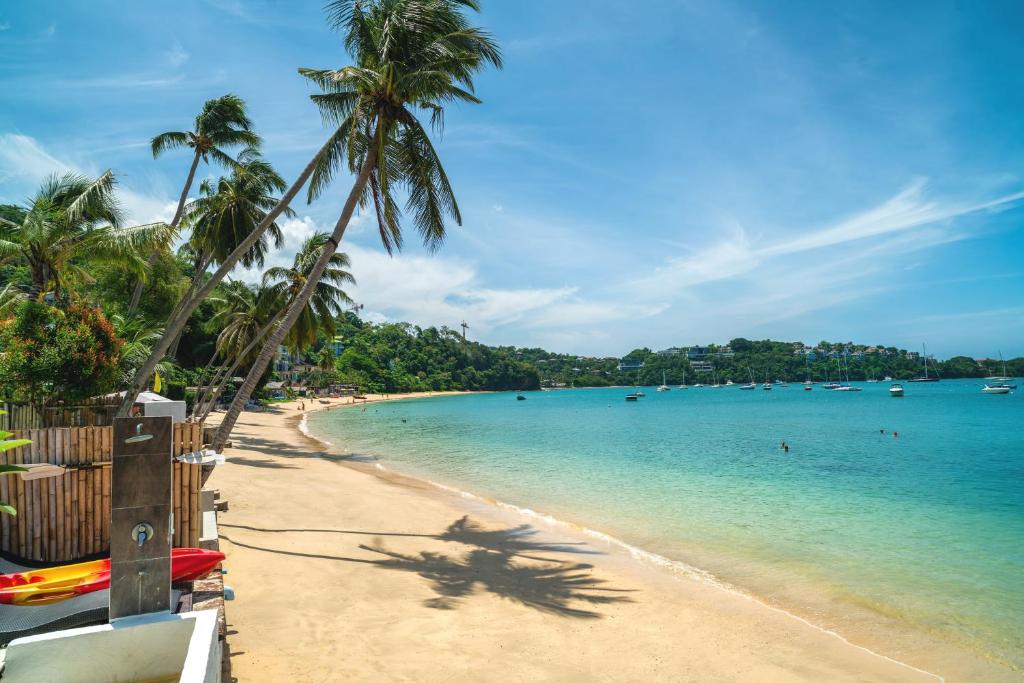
(855, 529)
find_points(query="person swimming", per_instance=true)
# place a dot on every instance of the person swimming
(895, 435)
(786, 447)
(881, 431)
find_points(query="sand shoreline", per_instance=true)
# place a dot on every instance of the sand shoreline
(814, 653)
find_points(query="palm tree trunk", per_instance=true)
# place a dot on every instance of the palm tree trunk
(137, 294)
(210, 396)
(177, 322)
(296, 307)
(201, 385)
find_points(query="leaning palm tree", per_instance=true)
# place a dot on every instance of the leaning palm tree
(410, 55)
(328, 299)
(227, 212)
(244, 315)
(223, 123)
(250, 324)
(450, 52)
(72, 220)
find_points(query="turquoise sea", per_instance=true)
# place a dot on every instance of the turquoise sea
(874, 535)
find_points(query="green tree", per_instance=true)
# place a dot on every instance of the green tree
(72, 220)
(327, 301)
(223, 123)
(50, 353)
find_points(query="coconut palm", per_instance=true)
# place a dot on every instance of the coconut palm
(138, 335)
(229, 210)
(410, 55)
(245, 315)
(222, 124)
(328, 299)
(71, 220)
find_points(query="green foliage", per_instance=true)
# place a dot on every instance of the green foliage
(743, 359)
(397, 357)
(6, 444)
(52, 353)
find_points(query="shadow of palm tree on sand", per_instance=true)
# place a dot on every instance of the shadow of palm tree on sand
(503, 562)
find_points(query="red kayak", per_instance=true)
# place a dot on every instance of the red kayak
(46, 586)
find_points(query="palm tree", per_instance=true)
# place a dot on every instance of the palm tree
(328, 299)
(73, 219)
(410, 55)
(245, 315)
(250, 314)
(450, 52)
(223, 123)
(227, 212)
(138, 335)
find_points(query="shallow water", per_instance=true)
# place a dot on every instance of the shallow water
(851, 528)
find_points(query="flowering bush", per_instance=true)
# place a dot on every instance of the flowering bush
(49, 353)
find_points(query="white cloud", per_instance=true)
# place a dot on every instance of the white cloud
(24, 163)
(176, 55)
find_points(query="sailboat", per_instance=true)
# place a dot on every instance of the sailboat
(767, 386)
(925, 378)
(716, 385)
(683, 385)
(663, 387)
(1002, 381)
(751, 384)
(846, 386)
(636, 387)
(807, 382)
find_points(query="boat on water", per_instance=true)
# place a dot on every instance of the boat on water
(729, 382)
(663, 386)
(896, 390)
(631, 397)
(751, 384)
(925, 377)
(845, 386)
(520, 397)
(682, 385)
(1004, 378)
(807, 366)
(808, 386)
(995, 389)
(698, 384)
(716, 385)
(767, 386)
(887, 378)
(639, 394)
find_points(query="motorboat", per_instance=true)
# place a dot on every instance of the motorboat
(631, 397)
(520, 397)
(995, 389)
(896, 390)
(748, 387)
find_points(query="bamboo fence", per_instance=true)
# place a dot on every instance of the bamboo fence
(67, 517)
(92, 413)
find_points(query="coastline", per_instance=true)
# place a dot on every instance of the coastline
(811, 652)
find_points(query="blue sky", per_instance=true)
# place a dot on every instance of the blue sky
(648, 173)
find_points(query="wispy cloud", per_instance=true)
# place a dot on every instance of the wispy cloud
(176, 55)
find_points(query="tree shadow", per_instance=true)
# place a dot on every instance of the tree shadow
(550, 588)
(493, 564)
(266, 464)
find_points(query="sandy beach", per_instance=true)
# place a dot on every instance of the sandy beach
(346, 572)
